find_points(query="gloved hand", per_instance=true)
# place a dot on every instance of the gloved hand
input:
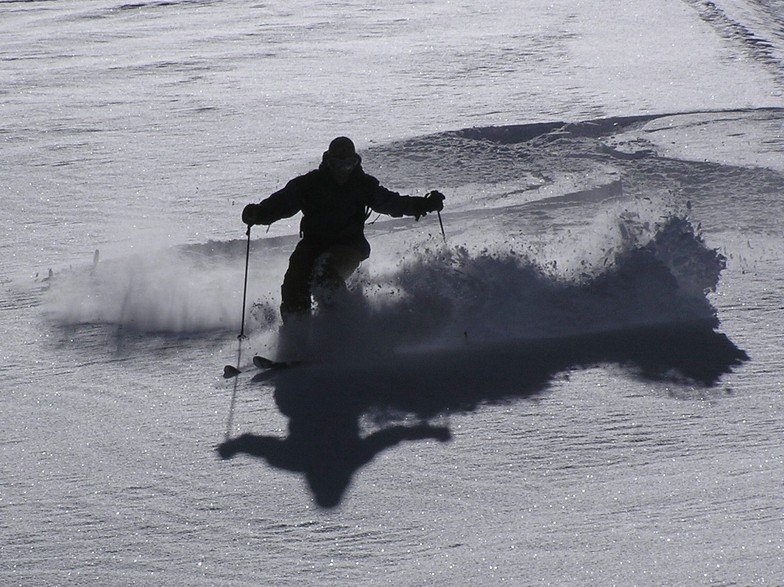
(250, 214)
(435, 201)
(432, 202)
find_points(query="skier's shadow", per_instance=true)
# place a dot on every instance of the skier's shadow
(325, 402)
(324, 440)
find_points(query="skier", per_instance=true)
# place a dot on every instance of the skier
(335, 201)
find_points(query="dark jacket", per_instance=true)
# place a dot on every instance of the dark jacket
(333, 213)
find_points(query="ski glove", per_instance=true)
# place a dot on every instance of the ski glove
(251, 214)
(432, 202)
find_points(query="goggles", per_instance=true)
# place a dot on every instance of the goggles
(343, 165)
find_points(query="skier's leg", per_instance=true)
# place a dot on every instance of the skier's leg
(295, 308)
(331, 271)
(295, 291)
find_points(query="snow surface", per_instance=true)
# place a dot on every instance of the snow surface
(582, 386)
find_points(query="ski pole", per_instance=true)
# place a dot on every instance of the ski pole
(441, 222)
(230, 370)
(245, 286)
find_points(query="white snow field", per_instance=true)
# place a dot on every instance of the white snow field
(581, 386)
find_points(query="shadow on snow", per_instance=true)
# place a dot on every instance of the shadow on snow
(325, 402)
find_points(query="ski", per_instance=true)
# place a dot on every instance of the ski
(262, 363)
(265, 363)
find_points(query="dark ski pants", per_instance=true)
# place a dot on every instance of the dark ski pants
(319, 271)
